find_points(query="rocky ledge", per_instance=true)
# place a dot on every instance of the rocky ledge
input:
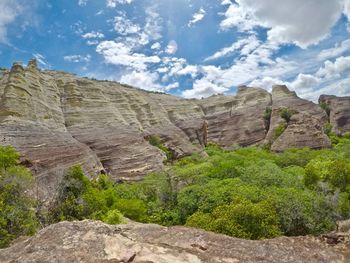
(89, 241)
(57, 120)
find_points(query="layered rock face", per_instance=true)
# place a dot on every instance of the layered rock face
(339, 112)
(57, 120)
(89, 241)
(305, 128)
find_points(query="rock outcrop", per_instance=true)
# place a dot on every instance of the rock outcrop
(339, 112)
(57, 120)
(89, 241)
(305, 128)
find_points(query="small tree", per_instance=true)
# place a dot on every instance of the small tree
(286, 114)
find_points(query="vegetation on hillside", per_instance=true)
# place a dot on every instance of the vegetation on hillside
(247, 192)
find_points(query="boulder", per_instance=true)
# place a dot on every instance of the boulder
(89, 241)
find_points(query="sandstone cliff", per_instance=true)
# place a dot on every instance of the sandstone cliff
(57, 120)
(89, 241)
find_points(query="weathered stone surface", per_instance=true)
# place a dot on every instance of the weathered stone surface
(339, 112)
(90, 241)
(237, 120)
(306, 125)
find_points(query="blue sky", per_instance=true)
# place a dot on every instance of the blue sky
(189, 48)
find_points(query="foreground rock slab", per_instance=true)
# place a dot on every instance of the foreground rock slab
(89, 241)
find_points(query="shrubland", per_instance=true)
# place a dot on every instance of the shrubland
(248, 193)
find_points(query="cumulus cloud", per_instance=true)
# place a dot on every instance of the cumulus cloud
(171, 47)
(197, 17)
(156, 46)
(191, 70)
(142, 79)
(336, 51)
(332, 70)
(118, 53)
(203, 88)
(285, 19)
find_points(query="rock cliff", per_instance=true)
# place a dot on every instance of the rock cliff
(57, 120)
(89, 241)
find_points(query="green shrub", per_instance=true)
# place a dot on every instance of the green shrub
(326, 108)
(242, 219)
(267, 117)
(132, 208)
(328, 129)
(280, 130)
(17, 213)
(113, 217)
(286, 114)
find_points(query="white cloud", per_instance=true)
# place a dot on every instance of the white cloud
(93, 34)
(226, 2)
(114, 3)
(304, 84)
(77, 58)
(191, 70)
(332, 70)
(245, 44)
(156, 46)
(41, 59)
(302, 22)
(118, 53)
(197, 17)
(92, 42)
(336, 51)
(10, 9)
(124, 26)
(203, 88)
(172, 86)
(142, 79)
(265, 83)
(171, 47)
(347, 8)
(136, 35)
(82, 2)
(153, 26)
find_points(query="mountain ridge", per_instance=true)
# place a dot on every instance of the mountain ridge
(57, 120)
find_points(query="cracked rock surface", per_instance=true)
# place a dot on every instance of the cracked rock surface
(89, 241)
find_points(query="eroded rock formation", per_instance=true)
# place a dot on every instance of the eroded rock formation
(57, 120)
(89, 241)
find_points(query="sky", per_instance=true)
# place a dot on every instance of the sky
(188, 48)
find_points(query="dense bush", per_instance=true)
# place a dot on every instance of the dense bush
(241, 218)
(17, 212)
(246, 192)
(305, 194)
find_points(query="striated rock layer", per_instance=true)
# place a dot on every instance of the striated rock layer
(57, 120)
(89, 241)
